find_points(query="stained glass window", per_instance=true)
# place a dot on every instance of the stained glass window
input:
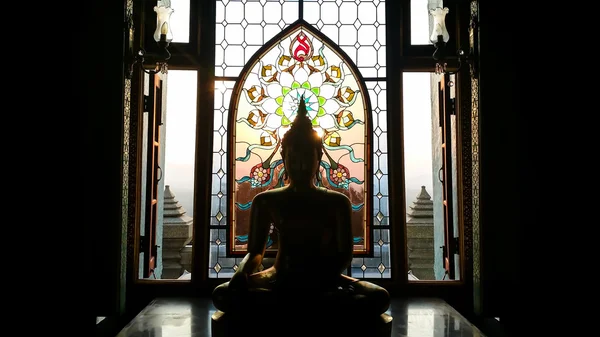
(299, 66)
(334, 55)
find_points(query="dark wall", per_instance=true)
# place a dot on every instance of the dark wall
(101, 72)
(505, 190)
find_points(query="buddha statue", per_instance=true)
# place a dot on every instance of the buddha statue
(315, 247)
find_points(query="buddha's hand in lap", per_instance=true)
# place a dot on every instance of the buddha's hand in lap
(347, 289)
(238, 281)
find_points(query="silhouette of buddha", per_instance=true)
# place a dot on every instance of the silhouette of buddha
(315, 240)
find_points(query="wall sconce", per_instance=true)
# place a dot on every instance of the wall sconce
(163, 37)
(439, 37)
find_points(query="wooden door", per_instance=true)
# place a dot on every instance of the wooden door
(153, 176)
(446, 110)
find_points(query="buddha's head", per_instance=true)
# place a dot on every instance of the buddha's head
(301, 148)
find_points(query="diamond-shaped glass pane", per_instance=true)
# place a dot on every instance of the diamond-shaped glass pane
(219, 216)
(217, 267)
(381, 268)
(380, 242)
(220, 173)
(218, 241)
(379, 216)
(379, 174)
(363, 267)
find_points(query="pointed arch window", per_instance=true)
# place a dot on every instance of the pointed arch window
(325, 60)
(299, 63)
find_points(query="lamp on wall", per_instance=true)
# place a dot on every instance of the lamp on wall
(439, 37)
(162, 35)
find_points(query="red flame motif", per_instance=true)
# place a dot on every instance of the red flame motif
(302, 47)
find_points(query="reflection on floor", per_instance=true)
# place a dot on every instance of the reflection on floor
(166, 317)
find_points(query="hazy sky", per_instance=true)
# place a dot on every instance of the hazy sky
(181, 118)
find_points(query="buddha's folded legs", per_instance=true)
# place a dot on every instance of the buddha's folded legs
(240, 300)
(360, 297)
(370, 297)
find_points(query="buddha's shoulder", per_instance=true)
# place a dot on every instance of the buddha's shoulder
(334, 196)
(269, 195)
(327, 195)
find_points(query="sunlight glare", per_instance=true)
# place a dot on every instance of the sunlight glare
(319, 131)
(219, 85)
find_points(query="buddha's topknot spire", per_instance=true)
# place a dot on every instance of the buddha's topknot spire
(302, 121)
(301, 133)
(302, 107)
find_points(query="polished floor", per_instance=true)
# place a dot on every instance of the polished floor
(192, 317)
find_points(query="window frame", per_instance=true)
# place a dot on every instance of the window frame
(401, 57)
(236, 92)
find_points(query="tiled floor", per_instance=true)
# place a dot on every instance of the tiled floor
(192, 317)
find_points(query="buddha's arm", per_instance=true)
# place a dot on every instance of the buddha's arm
(344, 233)
(257, 237)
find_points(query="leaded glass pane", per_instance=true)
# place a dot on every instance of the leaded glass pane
(378, 266)
(219, 265)
(357, 27)
(261, 20)
(377, 93)
(222, 94)
(242, 27)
